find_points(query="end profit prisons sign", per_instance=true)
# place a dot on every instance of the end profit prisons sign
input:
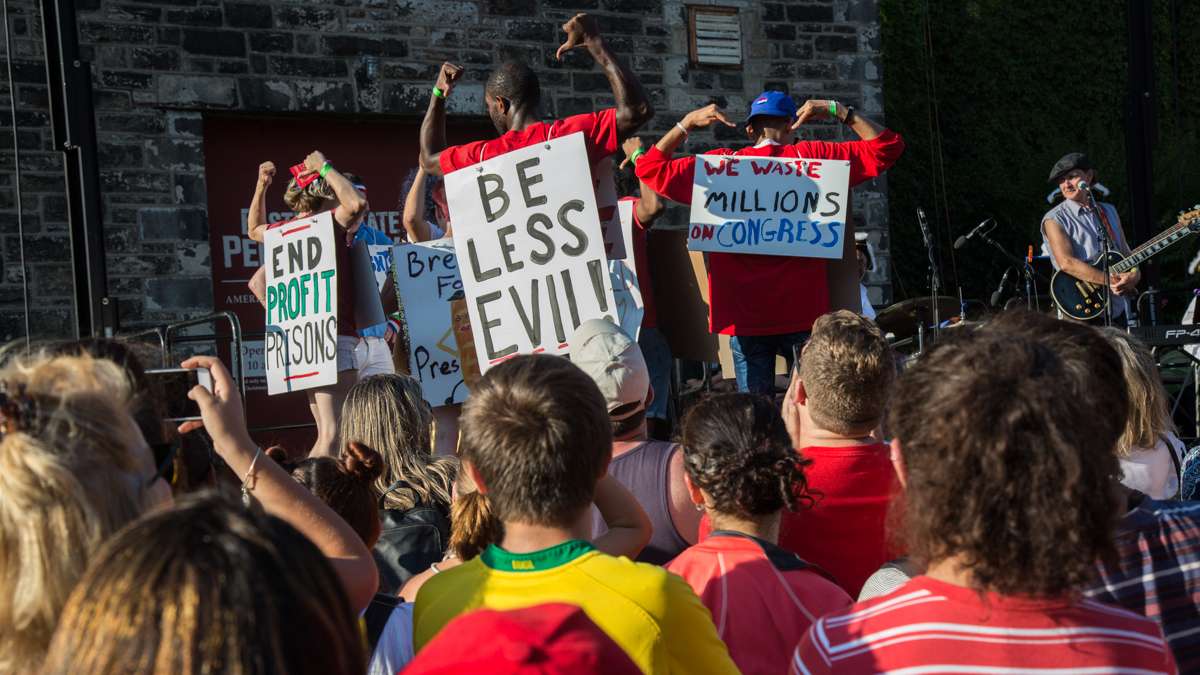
(300, 345)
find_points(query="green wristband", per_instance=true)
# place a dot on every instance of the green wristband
(439, 93)
(325, 168)
(833, 109)
(633, 158)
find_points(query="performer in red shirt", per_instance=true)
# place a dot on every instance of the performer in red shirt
(512, 96)
(768, 303)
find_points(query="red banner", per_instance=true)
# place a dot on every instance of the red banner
(382, 153)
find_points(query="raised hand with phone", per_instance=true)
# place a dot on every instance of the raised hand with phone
(222, 417)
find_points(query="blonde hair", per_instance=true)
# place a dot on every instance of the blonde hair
(208, 587)
(388, 414)
(63, 464)
(473, 525)
(308, 198)
(1149, 415)
(848, 371)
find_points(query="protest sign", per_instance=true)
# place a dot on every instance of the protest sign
(627, 292)
(430, 288)
(769, 205)
(300, 344)
(606, 205)
(528, 233)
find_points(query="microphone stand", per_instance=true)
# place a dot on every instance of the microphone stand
(1105, 248)
(1023, 264)
(935, 281)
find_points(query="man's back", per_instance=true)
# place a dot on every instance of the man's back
(845, 532)
(652, 614)
(932, 626)
(1157, 573)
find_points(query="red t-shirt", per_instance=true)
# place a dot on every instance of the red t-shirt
(762, 598)
(599, 136)
(641, 266)
(748, 294)
(845, 532)
(928, 626)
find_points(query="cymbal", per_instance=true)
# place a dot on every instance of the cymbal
(901, 319)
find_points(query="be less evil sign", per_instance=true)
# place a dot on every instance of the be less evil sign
(769, 205)
(300, 345)
(527, 236)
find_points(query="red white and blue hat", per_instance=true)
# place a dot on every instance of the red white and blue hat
(773, 103)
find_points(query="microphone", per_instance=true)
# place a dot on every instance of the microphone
(999, 292)
(962, 241)
(1083, 185)
(924, 226)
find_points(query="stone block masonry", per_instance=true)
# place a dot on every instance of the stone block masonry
(159, 65)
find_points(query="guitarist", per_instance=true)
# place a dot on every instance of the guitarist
(1071, 232)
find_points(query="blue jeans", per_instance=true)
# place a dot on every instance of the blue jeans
(657, 353)
(754, 358)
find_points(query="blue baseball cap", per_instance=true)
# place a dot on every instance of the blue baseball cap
(773, 103)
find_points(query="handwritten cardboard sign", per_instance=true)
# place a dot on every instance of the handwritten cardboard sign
(527, 232)
(431, 290)
(300, 346)
(606, 204)
(627, 291)
(769, 205)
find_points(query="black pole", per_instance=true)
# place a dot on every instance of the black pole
(73, 120)
(1140, 128)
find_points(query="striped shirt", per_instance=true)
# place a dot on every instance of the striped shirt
(929, 626)
(1157, 573)
(762, 597)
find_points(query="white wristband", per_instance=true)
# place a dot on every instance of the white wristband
(681, 128)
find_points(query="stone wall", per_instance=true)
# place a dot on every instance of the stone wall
(158, 65)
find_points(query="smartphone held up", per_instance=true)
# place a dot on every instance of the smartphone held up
(173, 384)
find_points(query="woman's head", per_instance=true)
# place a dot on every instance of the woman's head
(389, 414)
(1005, 443)
(208, 587)
(1149, 414)
(345, 484)
(74, 468)
(737, 452)
(311, 198)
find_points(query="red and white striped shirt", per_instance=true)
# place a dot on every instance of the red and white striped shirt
(929, 626)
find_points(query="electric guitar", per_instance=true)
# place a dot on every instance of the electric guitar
(1086, 301)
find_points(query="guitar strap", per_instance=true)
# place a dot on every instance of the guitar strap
(1112, 234)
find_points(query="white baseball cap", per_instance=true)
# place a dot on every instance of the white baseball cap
(615, 363)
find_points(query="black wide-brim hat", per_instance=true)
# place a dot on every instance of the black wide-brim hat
(1069, 162)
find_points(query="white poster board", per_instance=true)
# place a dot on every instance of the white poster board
(431, 290)
(533, 264)
(300, 345)
(769, 205)
(627, 291)
(606, 205)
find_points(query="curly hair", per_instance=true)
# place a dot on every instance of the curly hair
(737, 450)
(1008, 437)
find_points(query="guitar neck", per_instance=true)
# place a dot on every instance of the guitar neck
(1152, 248)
